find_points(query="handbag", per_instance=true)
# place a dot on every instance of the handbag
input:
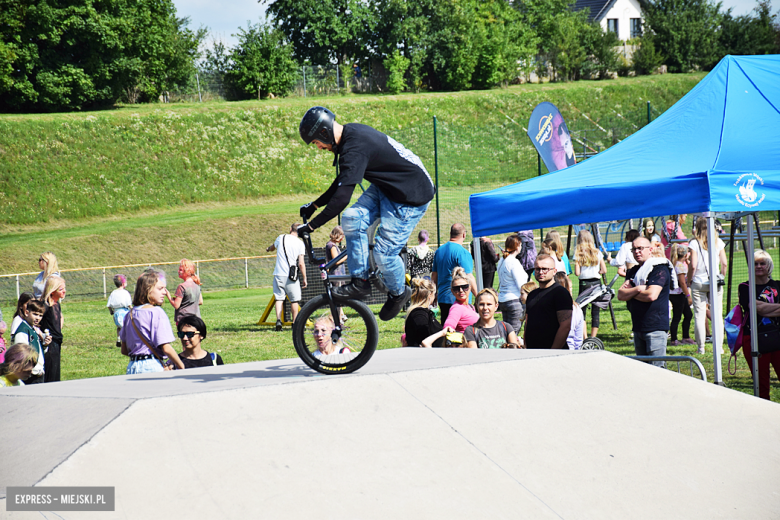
(293, 274)
(769, 340)
(164, 362)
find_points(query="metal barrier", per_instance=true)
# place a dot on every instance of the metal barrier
(679, 359)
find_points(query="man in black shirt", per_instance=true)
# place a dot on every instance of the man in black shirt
(400, 192)
(548, 309)
(647, 292)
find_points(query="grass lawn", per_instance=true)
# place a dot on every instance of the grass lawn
(231, 316)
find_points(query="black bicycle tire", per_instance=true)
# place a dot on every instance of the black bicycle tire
(598, 344)
(299, 332)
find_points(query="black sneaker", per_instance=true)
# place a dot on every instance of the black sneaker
(119, 344)
(278, 325)
(394, 304)
(357, 289)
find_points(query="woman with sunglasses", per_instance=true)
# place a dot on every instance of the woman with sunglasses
(48, 265)
(191, 331)
(462, 314)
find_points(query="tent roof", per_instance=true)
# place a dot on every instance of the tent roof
(695, 157)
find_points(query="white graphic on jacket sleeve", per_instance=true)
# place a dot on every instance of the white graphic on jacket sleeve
(409, 156)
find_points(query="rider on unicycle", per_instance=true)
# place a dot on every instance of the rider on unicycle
(400, 192)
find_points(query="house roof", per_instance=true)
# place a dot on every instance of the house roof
(598, 8)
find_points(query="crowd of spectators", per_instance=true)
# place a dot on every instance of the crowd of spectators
(534, 297)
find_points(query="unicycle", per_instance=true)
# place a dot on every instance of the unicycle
(352, 340)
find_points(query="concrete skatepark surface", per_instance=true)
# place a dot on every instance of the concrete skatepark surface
(417, 433)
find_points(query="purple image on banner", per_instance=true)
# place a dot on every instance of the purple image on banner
(551, 137)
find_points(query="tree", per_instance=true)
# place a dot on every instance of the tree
(324, 30)
(262, 63)
(396, 64)
(560, 33)
(86, 53)
(646, 58)
(600, 46)
(759, 34)
(504, 43)
(685, 32)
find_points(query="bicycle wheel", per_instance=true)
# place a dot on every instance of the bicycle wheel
(592, 344)
(359, 336)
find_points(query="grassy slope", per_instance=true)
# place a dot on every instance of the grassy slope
(146, 183)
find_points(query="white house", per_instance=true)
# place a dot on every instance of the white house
(623, 17)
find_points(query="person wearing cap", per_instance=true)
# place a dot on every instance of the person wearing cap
(399, 194)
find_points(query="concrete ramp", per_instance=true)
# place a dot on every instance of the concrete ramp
(416, 434)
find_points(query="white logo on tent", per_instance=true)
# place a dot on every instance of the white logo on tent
(747, 190)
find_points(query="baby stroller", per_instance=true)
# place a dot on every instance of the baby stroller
(600, 296)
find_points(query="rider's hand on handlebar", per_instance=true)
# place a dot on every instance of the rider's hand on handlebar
(307, 210)
(304, 228)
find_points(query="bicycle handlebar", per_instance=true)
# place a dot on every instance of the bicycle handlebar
(310, 249)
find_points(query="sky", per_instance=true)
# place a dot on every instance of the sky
(223, 18)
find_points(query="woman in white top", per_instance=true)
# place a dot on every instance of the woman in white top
(589, 266)
(511, 277)
(48, 265)
(698, 280)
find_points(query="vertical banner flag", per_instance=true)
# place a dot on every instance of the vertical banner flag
(551, 137)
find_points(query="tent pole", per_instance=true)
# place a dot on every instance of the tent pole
(731, 263)
(758, 231)
(476, 247)
(752, 313)
(717, 317)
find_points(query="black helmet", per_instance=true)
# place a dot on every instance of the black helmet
(317, 123)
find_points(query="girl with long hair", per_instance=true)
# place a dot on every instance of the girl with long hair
(648, 231)
(188, 298)
(51, 324)
(511, 278)
(148, 324)
(560, 251)
(48, 264)
(421, 327)
(589, 267)
(680, 298)
(698, 279)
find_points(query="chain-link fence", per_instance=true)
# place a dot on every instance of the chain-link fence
(97, 282)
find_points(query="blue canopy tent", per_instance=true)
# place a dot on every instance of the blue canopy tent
(715, 150)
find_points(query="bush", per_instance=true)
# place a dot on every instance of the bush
(623, 66)
(646, 57)
(396, 64)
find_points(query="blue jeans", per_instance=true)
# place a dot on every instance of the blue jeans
(398, 222)
(144, 366)
(651, 344)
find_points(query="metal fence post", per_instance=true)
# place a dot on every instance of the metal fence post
(197, 268)
(649, 119)
(17, 287)
(304, 80)
(436, 168)
(105, 294)
(200, 98)
(539, 174)
(246, 272)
